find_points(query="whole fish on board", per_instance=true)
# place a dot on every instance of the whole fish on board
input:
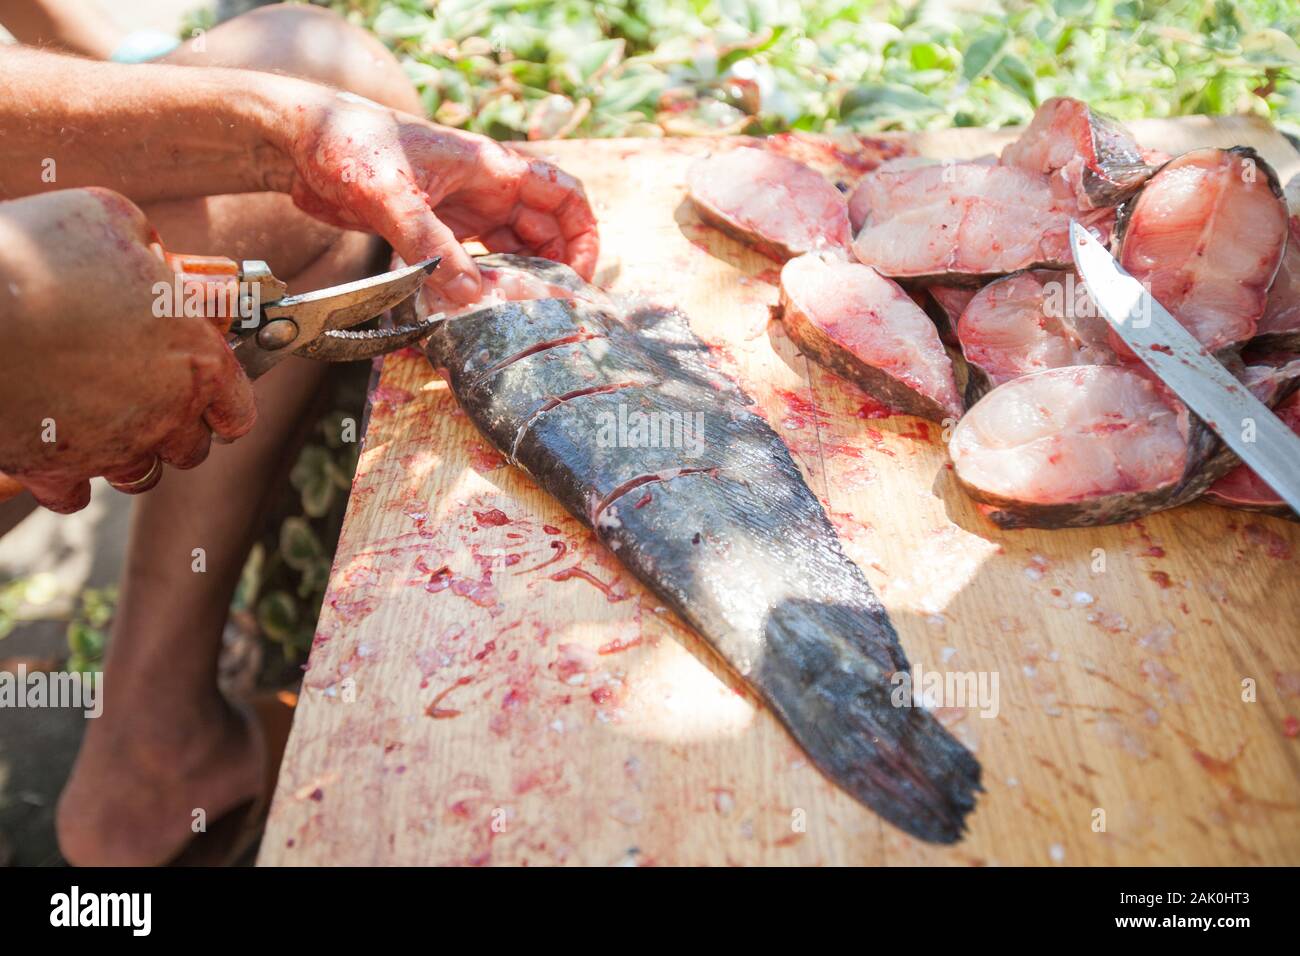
(619, 415)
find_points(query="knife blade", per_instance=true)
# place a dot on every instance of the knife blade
(1226, 406)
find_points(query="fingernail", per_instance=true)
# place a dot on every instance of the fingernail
(463, 289)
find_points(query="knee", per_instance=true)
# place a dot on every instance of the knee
(315, 44)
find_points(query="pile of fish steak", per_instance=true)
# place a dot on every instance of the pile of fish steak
(1063, 426)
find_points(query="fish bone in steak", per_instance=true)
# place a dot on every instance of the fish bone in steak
(961, 222)
(1083, 445)
(1029, 321)
(774, 204)
(1095, 159)
(1206, 236)
(854, 321)
(722, 528)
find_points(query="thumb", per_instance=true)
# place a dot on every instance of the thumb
(417, 234)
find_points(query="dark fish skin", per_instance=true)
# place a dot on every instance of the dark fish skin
(725, 532)
(1118, 169)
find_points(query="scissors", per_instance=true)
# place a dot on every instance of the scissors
(267, 326)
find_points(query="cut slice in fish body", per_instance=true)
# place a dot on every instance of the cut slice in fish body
(720, 525)
(777, 205)
(1082, 445)
(849, 318)
(1031, 321)
(1206, 236)
(1097, 160)
(961, 222)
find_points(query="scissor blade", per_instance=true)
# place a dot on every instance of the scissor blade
(1244, 423)
(343, 306)
(315, 313)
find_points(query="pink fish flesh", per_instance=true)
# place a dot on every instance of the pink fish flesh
(854, 321)
(1206, 236)
(776, 205)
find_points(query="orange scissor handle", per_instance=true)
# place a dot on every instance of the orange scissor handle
(9, 487)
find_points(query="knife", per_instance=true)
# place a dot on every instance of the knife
(1182, 363)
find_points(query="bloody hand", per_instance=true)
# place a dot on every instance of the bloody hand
(95, 377)
(424, 187)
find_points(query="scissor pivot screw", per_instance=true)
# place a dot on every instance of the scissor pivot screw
(277, 333)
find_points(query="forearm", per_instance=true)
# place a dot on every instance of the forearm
(150, 132)
(77, 26)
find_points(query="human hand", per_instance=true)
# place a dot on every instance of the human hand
(92, 380)
(425, 188)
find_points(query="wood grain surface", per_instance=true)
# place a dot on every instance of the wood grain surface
(488, 686)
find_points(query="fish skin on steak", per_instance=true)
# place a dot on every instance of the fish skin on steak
(1206, 236)
(1083, 445)
(769, 202)
(961, 223)
(1096, 159)
(724, 531)
(862, 326)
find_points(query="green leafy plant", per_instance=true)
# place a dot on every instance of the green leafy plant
(523, 69)
(88, 628)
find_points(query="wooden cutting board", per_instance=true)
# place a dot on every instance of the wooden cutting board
(489, 686)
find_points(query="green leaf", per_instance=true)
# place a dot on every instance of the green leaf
(277, 615)
(313, 476)
(981, 53)
(595, 58)
(1012, 73)
(299, 545)
(927, 56)
(872, 103)
(631, 92)
(394, 23)
(1270, 48)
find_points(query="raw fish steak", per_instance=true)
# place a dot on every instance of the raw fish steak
(1027, 322)
(776, 205)
(621, 418)
(1206, 236)
(961, 222)
(1279, 327)
(1095, 158)
(1274, 384)
(1083, 445)
(849, 318)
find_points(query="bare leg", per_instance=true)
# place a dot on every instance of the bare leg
(167, 743)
